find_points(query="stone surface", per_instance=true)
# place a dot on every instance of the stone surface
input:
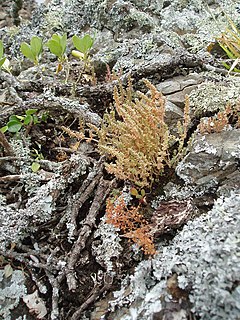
(12, 289)
(212, 158)
(201, 263)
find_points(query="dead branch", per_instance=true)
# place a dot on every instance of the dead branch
(5, 144)
(95, 294)
(103, 189)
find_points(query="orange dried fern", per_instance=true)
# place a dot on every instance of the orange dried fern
(130, 222)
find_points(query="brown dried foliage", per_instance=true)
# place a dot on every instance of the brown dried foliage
(135, 136)
(130, 222)
(221, 121)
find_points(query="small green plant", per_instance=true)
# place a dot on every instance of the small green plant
(83, 46)
(138, 195)
(37, 155)
(33, 50)
(57, 46)
(16, 122)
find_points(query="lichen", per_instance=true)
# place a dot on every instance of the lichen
(203, 255)
(12, 289)
(108, 250)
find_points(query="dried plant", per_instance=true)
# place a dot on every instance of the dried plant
(130, 222)
(135, 136)
(221, 121)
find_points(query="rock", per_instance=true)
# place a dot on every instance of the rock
(178, 87)
(12, 290)
(211, 158)
(203, 261)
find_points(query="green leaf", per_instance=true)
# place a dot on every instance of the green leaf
(36, 46)
(2, 61)
(8, 270)
(21, 118)
(13, 117)
(63, 42)
(83, 44)
(4, 129)
(55, 48)
(56, 37)
(35, 119)
(1, 49)
(27, 119)
(27, 51)
(35, 166)
(57, 45)
(30, 111)
(14, 126)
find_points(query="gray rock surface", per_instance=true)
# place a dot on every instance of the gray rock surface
(212, 158)
(203, 256)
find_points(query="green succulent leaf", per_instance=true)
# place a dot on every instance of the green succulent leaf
(30, 111)
(13, 117)
(63, 42)
(14, 126)
(2, 61)
(4, 129)
(55, 48)
(27, 119)
(57, 45)
(27, 51)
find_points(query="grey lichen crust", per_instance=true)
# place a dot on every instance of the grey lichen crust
(12, 289)
(205, 257)
(108, 249)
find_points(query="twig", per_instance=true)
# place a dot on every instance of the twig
(97, 291)
(5, 144)
(86, 189)
(14, 177)
(88, 224)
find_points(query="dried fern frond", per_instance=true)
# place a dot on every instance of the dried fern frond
(134, 134)
(130, 222)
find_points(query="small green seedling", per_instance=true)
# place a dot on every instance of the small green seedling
(57, 45)
(38, 156)
(2, 58)
(83, 46)
(33, 50)
(16, 122)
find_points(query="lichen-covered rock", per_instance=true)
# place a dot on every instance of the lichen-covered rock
(12, 289)
(204, 257)
(211, 158)
(212, 96)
